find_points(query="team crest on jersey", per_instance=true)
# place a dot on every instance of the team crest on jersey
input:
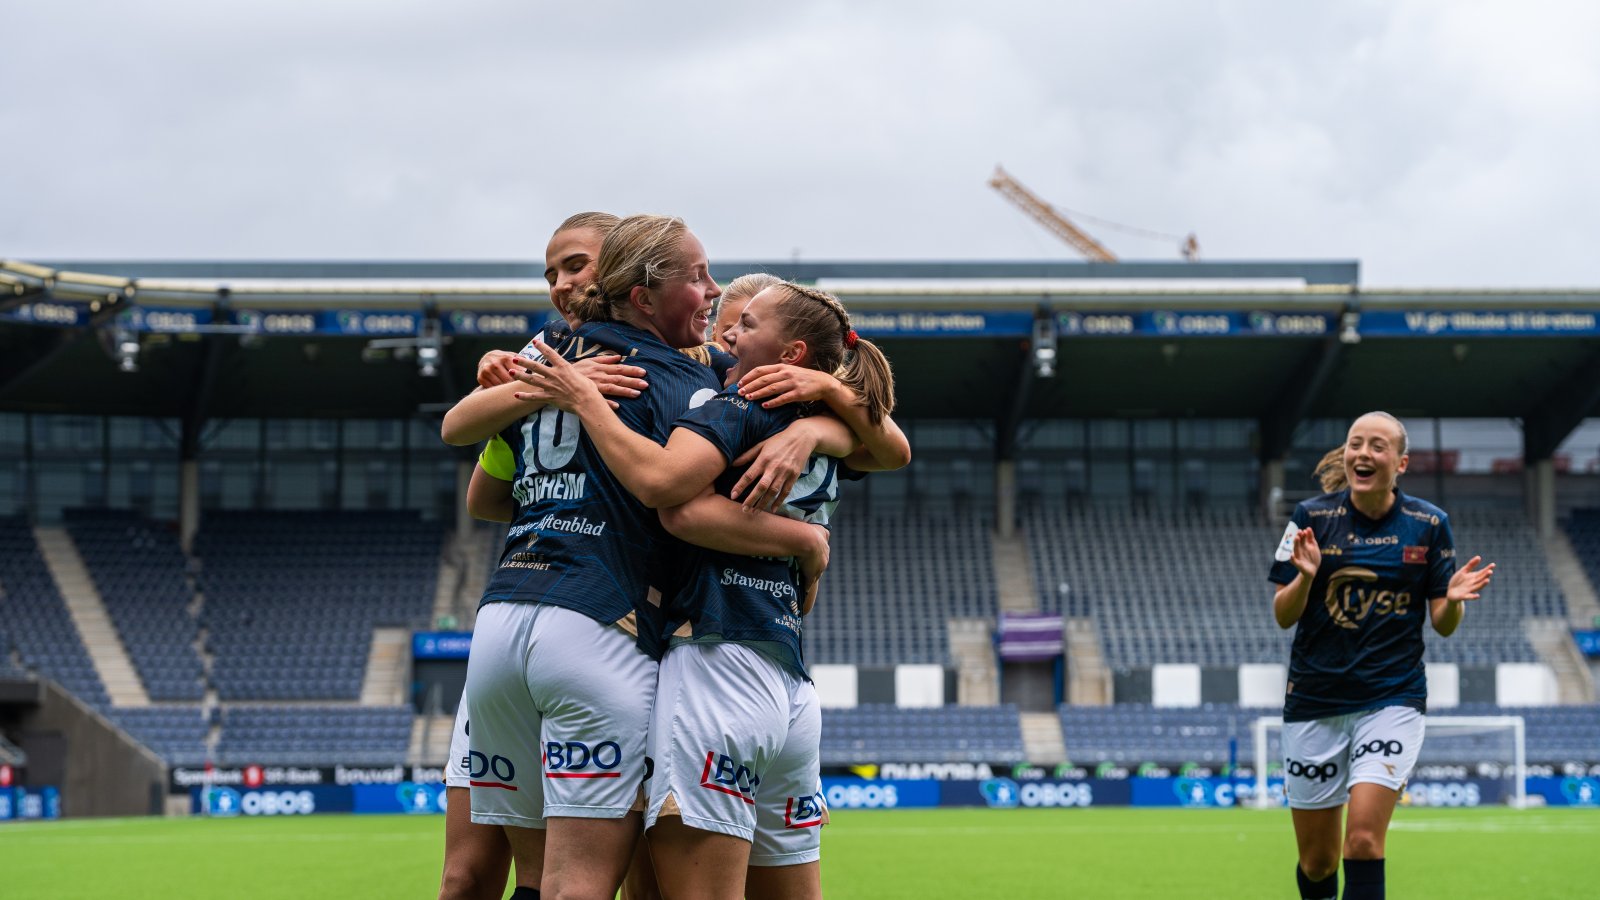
(1415, 555)
(805, 812)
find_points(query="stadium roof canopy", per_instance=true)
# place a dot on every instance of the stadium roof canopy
(1273, 341)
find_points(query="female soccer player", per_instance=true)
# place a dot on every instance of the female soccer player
(1354, 569)
(735, 296)
(736, 733)
(566, 640)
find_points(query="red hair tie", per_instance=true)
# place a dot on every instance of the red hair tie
(850, 339)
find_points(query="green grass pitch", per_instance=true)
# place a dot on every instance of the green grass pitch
(1096, 853)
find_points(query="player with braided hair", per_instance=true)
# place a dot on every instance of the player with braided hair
(735, 802)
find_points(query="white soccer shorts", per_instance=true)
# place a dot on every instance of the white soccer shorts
(559, 707)
(455, 769)
(736, 740)
(1322, 758)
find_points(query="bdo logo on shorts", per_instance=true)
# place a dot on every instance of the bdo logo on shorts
(1311, 771)
(805, 812)
(575, 759)
(489, 771)
(723, 774)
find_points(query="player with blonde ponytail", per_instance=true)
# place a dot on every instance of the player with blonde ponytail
(1356, 571)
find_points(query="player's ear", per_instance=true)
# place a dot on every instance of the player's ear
(795, 353)
(1405, 459)
(639, 298)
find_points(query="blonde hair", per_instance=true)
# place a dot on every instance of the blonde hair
(1330, 469)
(641, 251)
(743, 288)
(602, 222)
(819, 319)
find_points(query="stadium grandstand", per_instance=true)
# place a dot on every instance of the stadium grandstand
(231, 539)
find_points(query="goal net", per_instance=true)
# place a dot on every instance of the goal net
(1465, 761)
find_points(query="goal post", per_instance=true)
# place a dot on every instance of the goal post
(1450, 740)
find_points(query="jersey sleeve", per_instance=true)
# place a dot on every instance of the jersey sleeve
(496, 459)
(1283, 571)
(731, 423)
(722, 362)
(1441, 559)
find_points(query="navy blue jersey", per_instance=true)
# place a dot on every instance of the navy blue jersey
(750, 599)
(579, 539)
(722, 362)
(1358, 645)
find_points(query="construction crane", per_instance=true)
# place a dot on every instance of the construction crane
(1063, 228)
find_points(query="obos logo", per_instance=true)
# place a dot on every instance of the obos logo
(805, 812)
(1070, 323)
(1262, 323)
(1166, 323)
(1000, 793)
(575, 759)
(722, 774)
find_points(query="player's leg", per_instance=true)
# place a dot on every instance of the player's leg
(640, 883)
(1315, 779)
(476, 857)
(595, 689)
(1385, 744)
(721, 714)
(503, 768)
(791, 810)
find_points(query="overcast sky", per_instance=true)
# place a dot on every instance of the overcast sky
(1440, 143)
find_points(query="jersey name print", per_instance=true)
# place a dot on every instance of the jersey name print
(580, 540)
(1358, 645)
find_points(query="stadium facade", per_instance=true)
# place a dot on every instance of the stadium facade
(214, 455)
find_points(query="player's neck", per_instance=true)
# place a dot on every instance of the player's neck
(1373, 504)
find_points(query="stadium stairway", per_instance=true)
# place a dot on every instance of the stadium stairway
(430, 740)
(1088, 676)
(1041, 735)
(89, 616)
(1552, 641)
(1583, 605)
(972, 649)
(1013, 570)
(384, 683)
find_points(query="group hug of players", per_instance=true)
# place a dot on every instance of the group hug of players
(637, 665)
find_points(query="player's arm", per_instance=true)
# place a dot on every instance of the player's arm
(883, 444)
(1289, 600)
(488, 411)
(776, 463)
(659, 476)
(717, 523)
(489, 492)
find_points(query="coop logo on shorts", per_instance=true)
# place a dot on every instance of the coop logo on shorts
(805, 812)
(1387, 748)
(1311, 771)
(723, 774)
(576, 759)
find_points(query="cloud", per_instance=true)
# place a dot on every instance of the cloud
(1440, 143)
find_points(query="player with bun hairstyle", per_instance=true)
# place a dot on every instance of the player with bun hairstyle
(1354, 570)
(736, 803)
(567, 637)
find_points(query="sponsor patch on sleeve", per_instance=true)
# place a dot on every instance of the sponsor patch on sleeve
(1286, 546)
(1415, 555)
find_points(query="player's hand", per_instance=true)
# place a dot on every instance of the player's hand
(1307, 556)
(559, 383)
(1469, 581)
(612, 376)
(812, 564)
(775, 466)
(498, 367)
(782, 384)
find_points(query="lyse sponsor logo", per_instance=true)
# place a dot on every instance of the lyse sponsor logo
(575, 759)
(1311, 771)
(1414, 555)
(721, 773)
(487, 771)
(1348, 602)
(805, 812)
(1387, 748)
